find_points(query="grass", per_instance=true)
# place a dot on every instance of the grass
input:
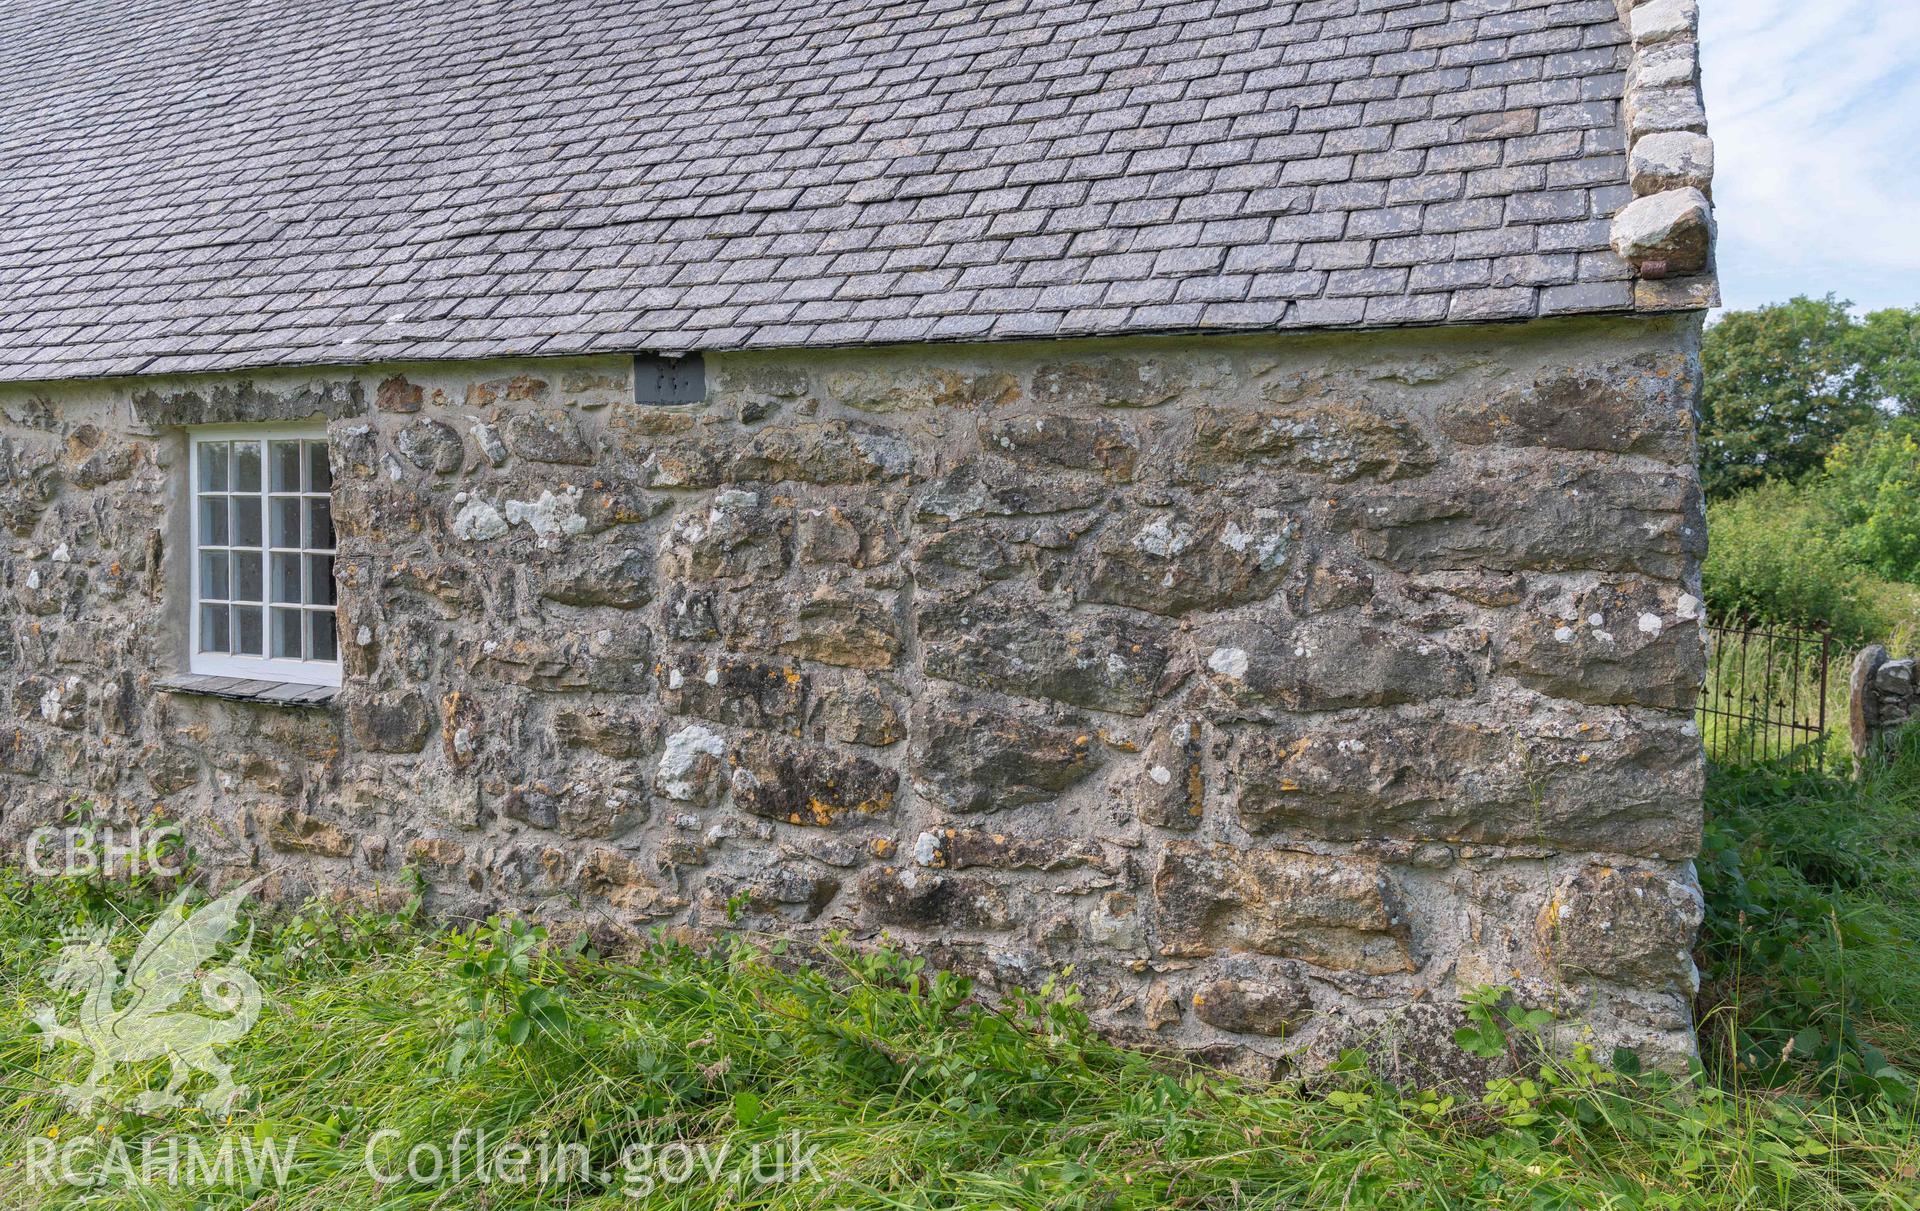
(384, 1032)
(1813, 888)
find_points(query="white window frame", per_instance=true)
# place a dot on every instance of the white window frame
(227, 664)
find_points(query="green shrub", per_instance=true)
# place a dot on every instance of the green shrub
(1774, 554)
(1872, 486)
(1891, 601)
(1813, 911)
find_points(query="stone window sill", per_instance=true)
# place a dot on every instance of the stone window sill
(241, 689)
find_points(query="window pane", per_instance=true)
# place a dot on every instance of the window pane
(246, 575)
(320, 580)
(246, 466)
(286, 634)
(246, 520)
(286, 521)
(213, 575)
(319, 474)
(286, 576)
(286, 466)
(320, 628)
(213, 628)
(319, 524)
(246, 630)
(213, 521)
(213, 466)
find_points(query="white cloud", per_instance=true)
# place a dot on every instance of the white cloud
(1815, 114)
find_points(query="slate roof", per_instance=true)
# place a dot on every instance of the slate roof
(216, 184)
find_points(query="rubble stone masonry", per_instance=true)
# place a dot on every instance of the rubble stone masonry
(1286, 687)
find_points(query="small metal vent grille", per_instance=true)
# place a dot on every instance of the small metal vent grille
(669, 380)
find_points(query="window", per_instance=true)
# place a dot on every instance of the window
(263, 589)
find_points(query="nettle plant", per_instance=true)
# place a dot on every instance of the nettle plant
(1545, 1085)
(513, 987)
(1561, 1098)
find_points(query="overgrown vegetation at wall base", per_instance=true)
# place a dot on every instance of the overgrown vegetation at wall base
(1813, 893)
(386, 1044)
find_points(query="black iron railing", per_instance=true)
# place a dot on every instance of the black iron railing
(1768, 693)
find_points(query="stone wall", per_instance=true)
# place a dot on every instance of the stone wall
(1881, 700)
(1285, 687)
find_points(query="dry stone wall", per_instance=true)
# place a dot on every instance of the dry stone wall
(1283, 687)
(1881, 701)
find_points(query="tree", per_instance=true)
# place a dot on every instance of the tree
(1780, 390)
(1785, 382)
(1887, 344)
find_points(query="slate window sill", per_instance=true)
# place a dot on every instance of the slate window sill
(241, 689)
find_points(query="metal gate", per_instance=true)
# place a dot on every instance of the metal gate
(1767, 693)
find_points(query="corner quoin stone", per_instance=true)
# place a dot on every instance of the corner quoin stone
(1672, 231)
(1632, 927)
(1669, 160)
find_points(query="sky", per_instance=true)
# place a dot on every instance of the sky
(1814, 109)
